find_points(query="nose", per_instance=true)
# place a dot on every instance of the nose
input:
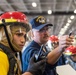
(23, 40)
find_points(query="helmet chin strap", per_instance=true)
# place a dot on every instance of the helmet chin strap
(7, 36)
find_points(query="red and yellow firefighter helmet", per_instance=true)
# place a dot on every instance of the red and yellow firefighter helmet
(14, 16)
(71, 50)
(53, 41)
(53, 38)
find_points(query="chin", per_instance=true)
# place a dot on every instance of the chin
(45, 42)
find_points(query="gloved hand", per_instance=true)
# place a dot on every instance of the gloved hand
(36, 68)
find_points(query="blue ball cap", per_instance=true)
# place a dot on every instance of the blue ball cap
(39, 22)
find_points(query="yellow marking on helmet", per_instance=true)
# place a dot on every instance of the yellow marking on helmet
(9, 20)
(68, 53)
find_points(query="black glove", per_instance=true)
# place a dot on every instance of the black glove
(36, 68)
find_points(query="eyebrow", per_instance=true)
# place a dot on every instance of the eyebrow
(21, 30)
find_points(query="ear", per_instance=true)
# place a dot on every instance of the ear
(32, 33)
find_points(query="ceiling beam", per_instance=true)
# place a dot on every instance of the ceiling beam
(53, 13)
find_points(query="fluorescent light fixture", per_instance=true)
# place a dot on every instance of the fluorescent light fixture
(72, 17)
(67, 24)
(34, 4)
(75, 11)
(62, 29)
(69, 21)
(49, 11)
(65, 27)
(60, 33)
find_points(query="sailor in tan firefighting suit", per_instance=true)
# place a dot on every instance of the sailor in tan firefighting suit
(13, 30)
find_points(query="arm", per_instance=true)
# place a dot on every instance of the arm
(4, 63)
(54, 55)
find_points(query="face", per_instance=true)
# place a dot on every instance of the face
(73, 57)
(19, 39)
(42, 35)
